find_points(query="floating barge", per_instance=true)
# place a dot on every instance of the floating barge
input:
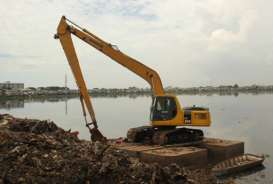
(209, 152)
(237, 164)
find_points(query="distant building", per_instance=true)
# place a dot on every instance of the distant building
(10, 85)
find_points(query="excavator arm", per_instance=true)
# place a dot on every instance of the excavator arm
(64, 36)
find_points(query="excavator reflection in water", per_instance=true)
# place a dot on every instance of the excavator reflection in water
(166, 111)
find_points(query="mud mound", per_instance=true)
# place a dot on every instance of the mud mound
(33, 151)
(33, 126)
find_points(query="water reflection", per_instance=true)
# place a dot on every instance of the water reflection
(11, 104)
(57, 98)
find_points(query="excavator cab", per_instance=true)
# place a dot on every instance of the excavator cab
(166, 111)
(163, 108)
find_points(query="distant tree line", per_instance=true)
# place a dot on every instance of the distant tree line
(135, 91)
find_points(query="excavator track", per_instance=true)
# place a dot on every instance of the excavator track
(178, 136)
(164, 136)
(141, 134)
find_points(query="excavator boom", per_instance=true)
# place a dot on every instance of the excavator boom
(113, 52)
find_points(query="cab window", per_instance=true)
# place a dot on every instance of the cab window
(163, 108)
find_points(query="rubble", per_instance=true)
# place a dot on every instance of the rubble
(34, 151)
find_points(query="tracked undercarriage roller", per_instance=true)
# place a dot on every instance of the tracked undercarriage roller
(165, 135)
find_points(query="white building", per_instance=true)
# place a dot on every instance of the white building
(10, 85)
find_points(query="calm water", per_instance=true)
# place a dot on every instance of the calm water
(245, 117)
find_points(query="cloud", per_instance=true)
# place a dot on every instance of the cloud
(190, 43)
(5, 55)
(133, 9)
(224, 39)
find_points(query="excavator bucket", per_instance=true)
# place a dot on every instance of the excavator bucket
(96, 135)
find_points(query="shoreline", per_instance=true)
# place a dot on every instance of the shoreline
(132, 94)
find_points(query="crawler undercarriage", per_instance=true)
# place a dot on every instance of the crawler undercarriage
(164, 135)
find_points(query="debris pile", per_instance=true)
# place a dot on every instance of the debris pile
(34, 151)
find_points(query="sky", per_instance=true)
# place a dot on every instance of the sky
(188, 42)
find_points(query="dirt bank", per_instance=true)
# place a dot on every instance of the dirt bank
(34, 151)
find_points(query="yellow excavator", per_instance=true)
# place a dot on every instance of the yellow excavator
(166, 112)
